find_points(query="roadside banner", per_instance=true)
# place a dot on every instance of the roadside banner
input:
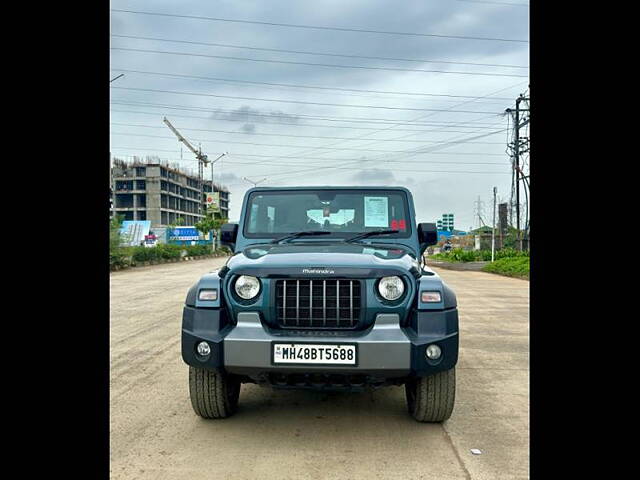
(213, 202)
(132, 232)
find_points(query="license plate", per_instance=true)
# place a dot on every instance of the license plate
(314, 354)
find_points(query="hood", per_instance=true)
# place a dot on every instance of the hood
(323, 259)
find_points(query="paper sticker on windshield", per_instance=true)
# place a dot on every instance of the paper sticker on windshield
(374, 251)
(376, 212)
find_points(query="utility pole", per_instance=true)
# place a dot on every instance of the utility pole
(225, 153)
(518, 142)
(493, 230)
(517, 160)
(111, 195)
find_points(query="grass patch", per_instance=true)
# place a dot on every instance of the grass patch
(460, 255)
(511, 266)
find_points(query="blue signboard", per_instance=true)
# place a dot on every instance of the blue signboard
(184, 233)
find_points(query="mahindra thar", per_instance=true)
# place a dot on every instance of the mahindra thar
(326, 290)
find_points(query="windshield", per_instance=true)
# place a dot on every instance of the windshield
(341, 212)
(380, 251)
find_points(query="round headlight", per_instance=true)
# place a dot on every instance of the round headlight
(391, 288)
(247, 287)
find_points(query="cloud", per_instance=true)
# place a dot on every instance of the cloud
(251, 116)
(249, 128)
(244, 114)
(374, 175)
(228, 177)
(285, 118)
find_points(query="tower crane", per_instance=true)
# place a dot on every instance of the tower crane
(203, 159)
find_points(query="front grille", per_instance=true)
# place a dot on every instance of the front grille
(318, 303)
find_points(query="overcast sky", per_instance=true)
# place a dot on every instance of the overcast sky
(406, 143)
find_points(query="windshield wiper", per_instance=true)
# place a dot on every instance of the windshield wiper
(372, 233)
(300, 234)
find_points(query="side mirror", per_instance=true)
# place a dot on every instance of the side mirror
(228, 235)
(427, 234)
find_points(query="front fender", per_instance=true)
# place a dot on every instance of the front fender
(204, 320)
(433, 283)
(206, 282)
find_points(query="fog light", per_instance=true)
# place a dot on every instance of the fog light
(433, 352)
(204, 349)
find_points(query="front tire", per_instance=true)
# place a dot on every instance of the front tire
(431, 399)
(213, 394)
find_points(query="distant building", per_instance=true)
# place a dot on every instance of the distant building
(446, 223)
(155, 191)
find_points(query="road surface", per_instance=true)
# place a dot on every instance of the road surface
(154, 433)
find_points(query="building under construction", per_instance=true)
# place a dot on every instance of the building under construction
(161, 193)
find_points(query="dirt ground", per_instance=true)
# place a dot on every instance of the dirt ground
(154, 433)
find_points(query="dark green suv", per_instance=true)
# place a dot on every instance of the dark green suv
(326, 290)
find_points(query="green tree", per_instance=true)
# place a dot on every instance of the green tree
(211, 222)
(116, 252)
(114, 233)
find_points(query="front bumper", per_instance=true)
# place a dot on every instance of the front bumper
(386, 350)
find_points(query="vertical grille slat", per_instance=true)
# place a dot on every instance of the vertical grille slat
(351, 300)
(310, 300)
(329, 304)
(338, 303)
(297, 302)
(284, 304)
(324, 303)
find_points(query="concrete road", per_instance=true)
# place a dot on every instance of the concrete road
(299, 434)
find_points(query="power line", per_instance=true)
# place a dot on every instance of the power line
(296, 172)
(240, 154)
(317, 27)
(395, 169)
(397, 124)
(315, 169)
(310, 64)
(359, 168)
(299, 102)
(314, 125)
(289, 173)
(393, 126)
(446, 144)
(283, 146)
(497, 3)
(235, 154)
(419, 118)
(289, 85)
(288, 135)
(387, 161)
(279, 115)
(324, 54)
(318, 158)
